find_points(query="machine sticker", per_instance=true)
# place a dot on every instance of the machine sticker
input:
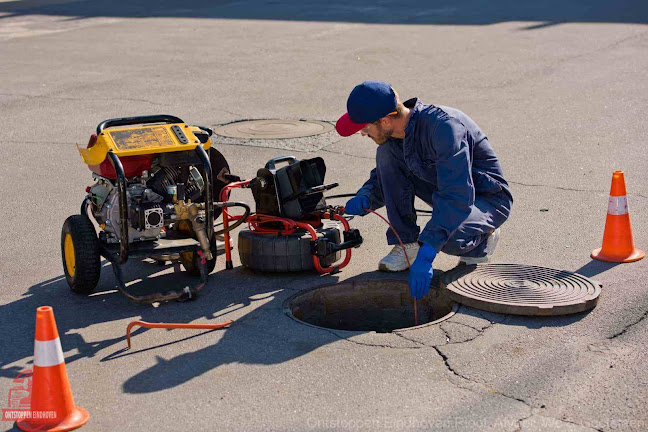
(143, 137)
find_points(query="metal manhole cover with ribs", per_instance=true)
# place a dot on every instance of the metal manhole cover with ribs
(273, 129)
(521, 289)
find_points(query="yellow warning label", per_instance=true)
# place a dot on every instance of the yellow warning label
(141, 138)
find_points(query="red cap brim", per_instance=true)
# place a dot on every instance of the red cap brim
(346, 127)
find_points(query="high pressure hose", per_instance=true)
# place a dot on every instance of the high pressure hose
(238, 222)
(409, 264)
(351, 195)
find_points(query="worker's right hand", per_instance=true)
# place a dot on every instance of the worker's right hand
(356, 205)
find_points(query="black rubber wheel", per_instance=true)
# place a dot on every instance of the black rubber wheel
(286, 253)
(189, 261)
(80, 254)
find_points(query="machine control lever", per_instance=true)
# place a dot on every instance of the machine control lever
(323, 247)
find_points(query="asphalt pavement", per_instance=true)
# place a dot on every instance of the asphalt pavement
(559, 88)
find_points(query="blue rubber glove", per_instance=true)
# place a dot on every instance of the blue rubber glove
(356, 205)
(420, 274)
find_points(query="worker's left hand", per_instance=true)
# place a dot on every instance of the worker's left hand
(420, 274)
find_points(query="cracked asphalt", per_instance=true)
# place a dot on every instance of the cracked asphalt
(558, 87)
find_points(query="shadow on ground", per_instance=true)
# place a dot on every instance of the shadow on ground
(461, 12)
(226, 292)
(264, 335)
(595, 267)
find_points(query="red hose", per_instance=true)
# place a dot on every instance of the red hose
(404, 251)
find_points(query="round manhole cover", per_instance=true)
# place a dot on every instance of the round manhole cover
(521, 289)
(273, 129)
(379, 305)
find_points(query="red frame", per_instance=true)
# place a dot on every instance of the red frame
(290, 226)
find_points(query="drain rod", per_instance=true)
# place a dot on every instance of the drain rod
(404, 251)
(172, 326)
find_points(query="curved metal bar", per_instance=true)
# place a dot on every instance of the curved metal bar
(172, 326)
(123, 206)
(209, 204)
(127, 121)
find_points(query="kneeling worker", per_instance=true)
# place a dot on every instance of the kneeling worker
(441, 156)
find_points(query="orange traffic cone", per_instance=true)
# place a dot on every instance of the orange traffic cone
(618, 244)
(52, 405)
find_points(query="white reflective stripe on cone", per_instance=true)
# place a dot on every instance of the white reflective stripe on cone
(618, 205)
(48, 353)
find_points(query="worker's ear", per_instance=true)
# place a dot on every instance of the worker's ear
(387, 121)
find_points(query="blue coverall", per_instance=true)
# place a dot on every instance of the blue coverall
(446, 161)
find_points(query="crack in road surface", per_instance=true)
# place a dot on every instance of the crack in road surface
(79, 99)
(484, 388)
(629, 326)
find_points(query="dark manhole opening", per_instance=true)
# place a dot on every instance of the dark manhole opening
(379, 305)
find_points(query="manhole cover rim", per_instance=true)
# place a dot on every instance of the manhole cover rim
(326, 127)
(288, 311)
(560, 307)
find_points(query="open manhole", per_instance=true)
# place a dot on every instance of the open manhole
(521, 289)
(380, 305)
(273, 129)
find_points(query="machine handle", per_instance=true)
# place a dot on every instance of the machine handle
(271, 163)
(310, 191)
(126, 121)
(204, 128)
(324, 247)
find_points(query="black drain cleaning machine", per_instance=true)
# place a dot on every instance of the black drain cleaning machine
(293, 228)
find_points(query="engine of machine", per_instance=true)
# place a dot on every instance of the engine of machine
(152, 198)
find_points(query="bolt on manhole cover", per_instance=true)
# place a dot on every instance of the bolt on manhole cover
(374, 305)
(521, 289)
(274, 129)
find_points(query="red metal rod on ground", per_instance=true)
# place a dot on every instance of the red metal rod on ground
(172, 326)
(404, 251)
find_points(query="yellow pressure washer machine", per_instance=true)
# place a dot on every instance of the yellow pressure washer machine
(156, 178)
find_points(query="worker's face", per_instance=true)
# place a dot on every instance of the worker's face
(379, 131)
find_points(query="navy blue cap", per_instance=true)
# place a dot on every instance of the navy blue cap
(368, 102)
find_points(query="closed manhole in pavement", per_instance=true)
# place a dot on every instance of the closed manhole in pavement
(379, 305)
(273, 129)
(521, 289)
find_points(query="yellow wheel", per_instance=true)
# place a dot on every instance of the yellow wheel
(80, 253)
(68, 253)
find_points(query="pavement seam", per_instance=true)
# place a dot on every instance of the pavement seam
(367, 344)
(482, 386)
(346, 154)
(469, 326)
(568, 189)
(553, 66)
(448, 337)
(79, 99)
(626, 328)
(487, 390)
(445, 333)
